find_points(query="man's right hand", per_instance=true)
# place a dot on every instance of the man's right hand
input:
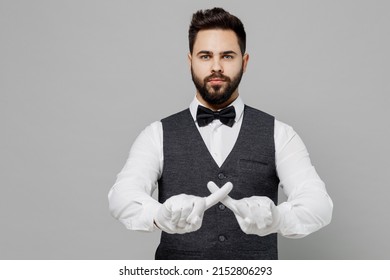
(184, 213)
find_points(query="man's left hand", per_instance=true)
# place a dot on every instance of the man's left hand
(255, 215)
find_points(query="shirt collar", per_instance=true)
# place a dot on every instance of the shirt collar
(238, 106)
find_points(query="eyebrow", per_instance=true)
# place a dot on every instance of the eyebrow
(210, 52)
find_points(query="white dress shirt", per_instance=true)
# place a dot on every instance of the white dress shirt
(308, 206)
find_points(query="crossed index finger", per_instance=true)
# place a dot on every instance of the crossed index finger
(209, 201)
(218, 194)
(227, 200)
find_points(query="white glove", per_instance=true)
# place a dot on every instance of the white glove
(184, 213)
(255, 215)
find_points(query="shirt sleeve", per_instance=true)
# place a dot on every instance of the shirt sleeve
(130, 199)
(308, 207)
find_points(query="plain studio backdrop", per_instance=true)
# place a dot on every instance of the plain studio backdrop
(79, 80)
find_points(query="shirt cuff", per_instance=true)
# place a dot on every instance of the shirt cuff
(146, 223)
(290, 225)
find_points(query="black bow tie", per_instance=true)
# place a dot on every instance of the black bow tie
(204, 116)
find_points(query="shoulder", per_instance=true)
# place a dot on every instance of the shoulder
(259, 119)
(282, 128)
(283, 134)
(256, 112)
(177, 115)
(151, 134)
(152, 128)
(177, 121)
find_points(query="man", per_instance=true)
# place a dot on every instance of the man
(219, 163)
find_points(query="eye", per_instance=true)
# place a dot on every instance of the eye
(205, 57)
(227, 56)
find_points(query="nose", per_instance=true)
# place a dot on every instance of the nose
(216, 66)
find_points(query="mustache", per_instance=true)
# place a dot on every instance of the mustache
(217, 76)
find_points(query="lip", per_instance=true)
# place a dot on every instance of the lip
(216, 81)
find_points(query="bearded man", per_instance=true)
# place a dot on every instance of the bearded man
(218, 164)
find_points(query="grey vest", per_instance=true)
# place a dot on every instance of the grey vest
(188, 167)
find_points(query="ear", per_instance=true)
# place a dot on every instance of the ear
(189, 58)
(245, 60)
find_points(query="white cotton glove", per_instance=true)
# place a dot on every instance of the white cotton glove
(255, 215)
(184, 213)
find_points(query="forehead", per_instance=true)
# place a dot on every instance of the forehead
(216, 40)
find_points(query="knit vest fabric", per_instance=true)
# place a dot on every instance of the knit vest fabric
(189, 166)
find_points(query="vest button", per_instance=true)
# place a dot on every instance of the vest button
(221, 238)
(221, 207)
(221, 176)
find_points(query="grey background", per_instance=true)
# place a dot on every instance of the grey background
(76, 76)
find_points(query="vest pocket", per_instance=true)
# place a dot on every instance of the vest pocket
(252, 165)
(255, 176)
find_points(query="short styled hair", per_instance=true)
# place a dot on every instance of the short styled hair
(216, 18)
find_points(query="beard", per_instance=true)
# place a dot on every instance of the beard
(217, 94)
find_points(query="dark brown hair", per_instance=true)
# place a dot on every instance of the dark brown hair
(216, 18)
